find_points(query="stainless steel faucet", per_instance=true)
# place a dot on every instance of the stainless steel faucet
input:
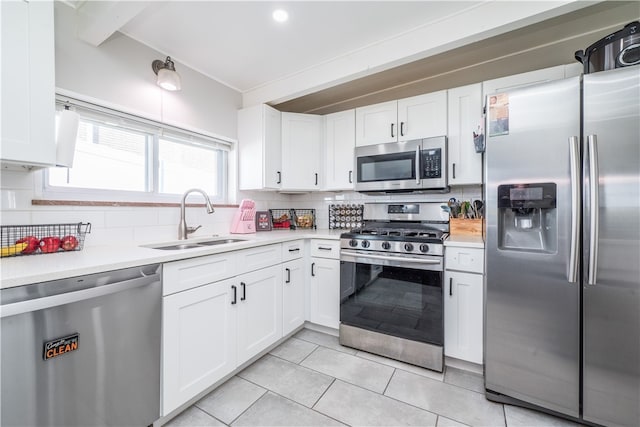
(183, 230)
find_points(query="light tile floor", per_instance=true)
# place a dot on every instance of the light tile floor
(311, 380)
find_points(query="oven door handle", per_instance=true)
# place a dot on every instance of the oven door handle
(391, 258)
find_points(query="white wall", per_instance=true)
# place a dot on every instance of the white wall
(119, 73)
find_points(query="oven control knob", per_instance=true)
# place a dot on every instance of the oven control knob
(408, 247)
(424, 247)
(386, 245)
(365, 243)
(353, 243)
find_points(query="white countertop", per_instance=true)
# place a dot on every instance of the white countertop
(23, 270)
(465, 241)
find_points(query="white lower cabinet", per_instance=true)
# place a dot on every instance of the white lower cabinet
(198, 341)
(259, 311)
(325, 292)
(324, 298)
(293, 300)
(212, 327)
(463, 306)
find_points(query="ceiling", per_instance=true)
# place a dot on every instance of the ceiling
(240, 45)
(545, 44)
(334, 55)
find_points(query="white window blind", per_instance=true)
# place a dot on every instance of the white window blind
(119, 155)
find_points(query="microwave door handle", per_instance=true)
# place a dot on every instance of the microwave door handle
(417, 165)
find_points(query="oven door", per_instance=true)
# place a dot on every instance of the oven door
(395, 295)
(388, 167)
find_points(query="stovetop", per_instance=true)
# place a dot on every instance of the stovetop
(422, 234)
(409, 228)
(398, 240)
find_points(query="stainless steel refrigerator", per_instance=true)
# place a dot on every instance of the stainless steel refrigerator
(562, 191)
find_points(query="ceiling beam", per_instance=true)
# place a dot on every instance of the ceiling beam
(98, 20)
(479, 21)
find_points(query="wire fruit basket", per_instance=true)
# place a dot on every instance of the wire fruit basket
(281, 218)
(292, 219)
(18, 240)
(304, 218)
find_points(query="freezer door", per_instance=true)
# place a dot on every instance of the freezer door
(532, 335)
(611, 290)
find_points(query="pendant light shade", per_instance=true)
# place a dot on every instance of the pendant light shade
(168, 78)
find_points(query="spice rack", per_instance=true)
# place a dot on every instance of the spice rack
(345, 216)
(42, 238)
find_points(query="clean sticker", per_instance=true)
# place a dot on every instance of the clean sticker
(499, 114)
(60, 346)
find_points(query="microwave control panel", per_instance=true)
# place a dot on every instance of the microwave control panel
(432, 163)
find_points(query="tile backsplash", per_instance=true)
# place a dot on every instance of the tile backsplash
(113, 225)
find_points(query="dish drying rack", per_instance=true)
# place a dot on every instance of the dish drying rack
(244, 220)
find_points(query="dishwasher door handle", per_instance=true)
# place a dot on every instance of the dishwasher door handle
(71, 297)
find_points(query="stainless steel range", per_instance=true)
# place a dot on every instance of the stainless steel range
(391, 280)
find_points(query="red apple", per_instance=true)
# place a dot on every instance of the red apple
(69, 243)
(33, 243)
(49, 244)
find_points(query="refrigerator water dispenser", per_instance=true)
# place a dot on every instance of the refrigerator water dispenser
(527, 217)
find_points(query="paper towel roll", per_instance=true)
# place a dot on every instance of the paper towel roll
(66, 138)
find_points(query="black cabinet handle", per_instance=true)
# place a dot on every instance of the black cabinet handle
(235, 294)
(316, 178)
(294, 250)
(401, 128)
(392, 135)
(454, 171)
(288, 275)
(313, 264)
(450, 286)
(350, 177)
(324, 248)
(279, 178)
(244, 291)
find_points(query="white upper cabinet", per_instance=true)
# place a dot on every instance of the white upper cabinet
(259, 148)
(422, 116)
(28, 84)
(465, 114)
(417, 117)
(339, 142)
(301, 141)
(377, 123)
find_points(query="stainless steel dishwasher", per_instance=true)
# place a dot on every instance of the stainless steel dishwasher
(83, 351)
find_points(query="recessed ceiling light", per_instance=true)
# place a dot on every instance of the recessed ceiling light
(280, 15)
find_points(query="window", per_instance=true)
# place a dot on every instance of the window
(121, 156)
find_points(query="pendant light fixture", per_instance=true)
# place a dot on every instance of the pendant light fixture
(168, 78)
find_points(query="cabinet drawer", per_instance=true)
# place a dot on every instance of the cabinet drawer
(178, 276)
(325, 248)
(260, 257)
(464, 259)
(292, 250)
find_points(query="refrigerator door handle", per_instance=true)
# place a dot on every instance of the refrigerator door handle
(594, 205)
(574, 156)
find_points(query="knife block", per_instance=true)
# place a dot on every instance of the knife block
(244, 220)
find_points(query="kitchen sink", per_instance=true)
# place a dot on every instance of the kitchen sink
(220, 242)
(176, 247)
(172, 246)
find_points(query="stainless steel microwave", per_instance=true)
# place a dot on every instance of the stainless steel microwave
(409, 166)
